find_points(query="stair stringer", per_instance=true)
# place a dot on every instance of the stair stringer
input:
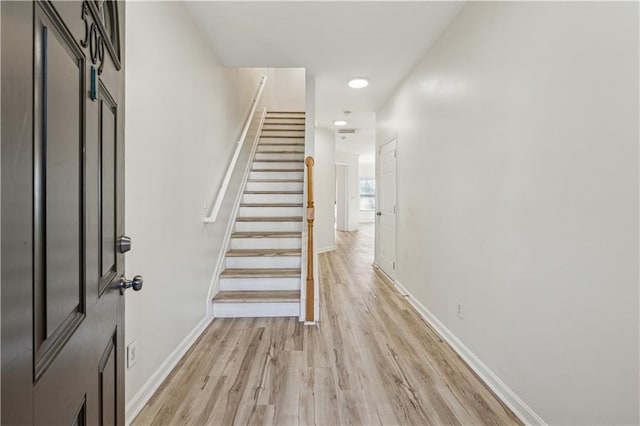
(214, 286)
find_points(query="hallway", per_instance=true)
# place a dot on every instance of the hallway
(371, 360)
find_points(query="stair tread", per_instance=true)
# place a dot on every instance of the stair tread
(278, 170)
(277, 161)
(275, 180)
(293, 117)
(260, 272)
(281, 137)
(271, 205)
(281, 144)
(263, 252)
(267, 234)
(286, 112)
(257, 296)
(273, 192)
(280, 152)
(282, 130)
(269, 219)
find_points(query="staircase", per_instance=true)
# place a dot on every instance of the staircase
(262, 266)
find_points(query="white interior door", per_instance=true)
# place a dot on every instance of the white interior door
(386, 214)
(342, 197)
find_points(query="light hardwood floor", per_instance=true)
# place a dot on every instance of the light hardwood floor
(371, 360)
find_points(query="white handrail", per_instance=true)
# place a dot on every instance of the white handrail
(232, 165)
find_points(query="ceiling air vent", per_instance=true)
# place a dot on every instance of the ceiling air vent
(346, 131)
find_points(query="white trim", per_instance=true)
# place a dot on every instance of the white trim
(215, 210)
(214, 287)
(325, 249)
(147, 390)
(491, 379)
(394, 139)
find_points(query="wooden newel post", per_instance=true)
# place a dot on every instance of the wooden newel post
(309, 312)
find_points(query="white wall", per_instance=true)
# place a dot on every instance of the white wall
(366, 171)
(285, 89)
(353, 188)
(518, 195)
(183, 117)
(324, 190)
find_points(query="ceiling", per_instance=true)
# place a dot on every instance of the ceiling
(334, 40)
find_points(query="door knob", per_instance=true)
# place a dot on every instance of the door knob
(136, 283)
(378, 213)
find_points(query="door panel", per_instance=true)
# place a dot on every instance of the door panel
(108, 378)
(387, 209)
(107, 164)
(62, 211)
(58, 153)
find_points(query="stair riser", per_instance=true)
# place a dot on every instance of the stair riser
(257, 262)
(265, 140)
(276, 156)
(245, 310)
(275, 133)
(274, 186)
(286, 165)
(266, 227)
(269, 125)
(266, 243)
(259, 284)
(275, 147)
(276, 114)
(283, 120)
(272, 198)
(270, 211)
(276, 175)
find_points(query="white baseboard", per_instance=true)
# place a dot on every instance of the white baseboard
(325, 249)
(502, 391)
(147, 390)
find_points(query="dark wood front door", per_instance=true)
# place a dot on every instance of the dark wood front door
(62, 213)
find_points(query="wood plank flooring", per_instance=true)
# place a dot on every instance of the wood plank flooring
(371, 360)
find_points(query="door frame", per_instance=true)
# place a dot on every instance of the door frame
(376, 262)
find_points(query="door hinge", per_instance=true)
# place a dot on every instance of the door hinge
(394, 266)
(395, 153)
(394, 209)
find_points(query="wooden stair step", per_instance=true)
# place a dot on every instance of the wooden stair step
(272, 234)
(282, 137)
(277, 170)
(286, 116)
(286, 112)
(260, 273)
(273, 192)
(300, 122)
(281, 144)
(268, 219)
(282, 130)
(280, 152)
(263, 252)
(277, 161)
(257, 296)
(275, 180)
(271, 205)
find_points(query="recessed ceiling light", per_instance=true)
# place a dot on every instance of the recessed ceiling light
(339, 123)
(359, 83)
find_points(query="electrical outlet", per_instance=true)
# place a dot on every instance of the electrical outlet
(460, 310)
(132, 354)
